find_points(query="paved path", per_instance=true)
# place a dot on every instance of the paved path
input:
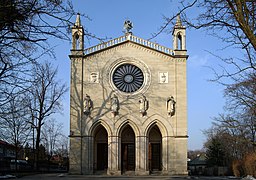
(88, 177)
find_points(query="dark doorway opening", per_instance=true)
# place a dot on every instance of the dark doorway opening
(127, 149)
(155, 150)
(102, 156)
(100, 149)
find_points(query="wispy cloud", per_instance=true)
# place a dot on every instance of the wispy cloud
(197, 61)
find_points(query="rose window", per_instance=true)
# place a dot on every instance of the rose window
(128, 78)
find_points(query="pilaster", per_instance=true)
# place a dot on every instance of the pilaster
(74, 155)
(141, 156)
(87, 155)
(113, 156)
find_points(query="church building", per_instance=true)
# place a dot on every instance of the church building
(128, 105)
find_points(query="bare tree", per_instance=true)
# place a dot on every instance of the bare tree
(230, 137)
(62, 151)
(25, 29)
(232, 21)
(63, 147)
(14, 126)
(242, 95)
(46, 94)
(236, 131)
(241, 102)
(52, 133)
(25, 26)
(236, 17)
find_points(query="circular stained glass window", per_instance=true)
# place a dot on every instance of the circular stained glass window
(128, 78)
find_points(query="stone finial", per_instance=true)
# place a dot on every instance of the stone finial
(178, 21)
(78, 21)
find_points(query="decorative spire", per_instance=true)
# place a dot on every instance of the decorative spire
(77, 34)
(78, 21)
(178, 21)
(179, 37)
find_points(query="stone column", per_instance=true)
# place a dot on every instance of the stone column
(114, 152)
(141, 156)
(165, 154)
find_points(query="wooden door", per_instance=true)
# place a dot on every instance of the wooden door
(128, 157)
(155, 156)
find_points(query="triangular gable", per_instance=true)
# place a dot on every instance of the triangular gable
(126, 38)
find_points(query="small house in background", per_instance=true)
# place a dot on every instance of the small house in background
(197, 166)
(7, 152)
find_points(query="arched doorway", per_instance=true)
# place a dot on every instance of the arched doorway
(127, 149)
(155, 149)
(101, 148)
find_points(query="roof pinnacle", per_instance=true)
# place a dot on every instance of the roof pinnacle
(78, 21)
(178, 21)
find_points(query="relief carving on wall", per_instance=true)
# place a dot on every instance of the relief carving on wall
(94, 77)
(163, 77)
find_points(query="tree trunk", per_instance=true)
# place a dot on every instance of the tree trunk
(38, 130)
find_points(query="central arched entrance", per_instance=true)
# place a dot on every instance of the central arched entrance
(127, 149)
(101, 148)
(155, 149)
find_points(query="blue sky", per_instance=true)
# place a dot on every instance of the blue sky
(205, 99)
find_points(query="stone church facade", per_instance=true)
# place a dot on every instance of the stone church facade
(128, 105)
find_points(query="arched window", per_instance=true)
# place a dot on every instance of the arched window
(77, 42)
(179, 41)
